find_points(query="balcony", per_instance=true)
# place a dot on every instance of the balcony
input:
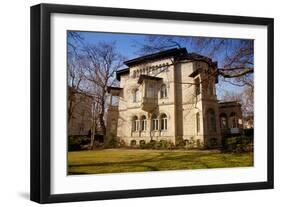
(149, 85)
(149, 104)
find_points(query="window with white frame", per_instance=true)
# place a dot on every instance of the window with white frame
(154, 121)
(143, 123)
(135, 124)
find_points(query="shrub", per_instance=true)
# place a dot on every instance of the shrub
(142, 144)
(121, 143)
(199, 144)
(153, 144)
(76, 143)
(180, 143)
(213, 143)
(249, 132)
(150, 145)
(191, 144)
(237, 144)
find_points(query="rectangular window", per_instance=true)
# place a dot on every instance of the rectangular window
(150, 91)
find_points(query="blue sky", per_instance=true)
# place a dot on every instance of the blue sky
(125, 43)
(128, 45)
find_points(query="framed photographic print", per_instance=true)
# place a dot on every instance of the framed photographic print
(132, 103)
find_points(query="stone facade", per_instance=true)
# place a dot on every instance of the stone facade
(169, 95)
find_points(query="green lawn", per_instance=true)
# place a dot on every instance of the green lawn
(126, 160)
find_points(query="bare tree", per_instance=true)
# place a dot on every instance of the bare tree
(245, 98)
(236, 55)
(75, 78)
(100, 65)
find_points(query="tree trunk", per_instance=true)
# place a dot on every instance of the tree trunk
(101, 115)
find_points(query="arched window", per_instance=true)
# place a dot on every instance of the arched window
(163, 91)
(136, 95)
(223, 121)
(211, 117)
(143, 123)
(135, 124)
(154, 121)
(233, 120)
(133, 143)
(164, 122)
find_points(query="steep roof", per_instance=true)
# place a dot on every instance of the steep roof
(162, 54)
(179, 53)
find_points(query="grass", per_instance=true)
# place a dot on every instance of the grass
(127, 160)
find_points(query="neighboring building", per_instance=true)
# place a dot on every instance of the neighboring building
(79, 113)
(248, 122)
(230, 118)
(169, 95)
(112, 111)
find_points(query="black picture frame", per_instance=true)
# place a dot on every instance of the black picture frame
(41, 95)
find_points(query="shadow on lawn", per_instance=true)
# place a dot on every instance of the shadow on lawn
(150, 168)
(162, 161)
(159, 158)
(115, 163)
